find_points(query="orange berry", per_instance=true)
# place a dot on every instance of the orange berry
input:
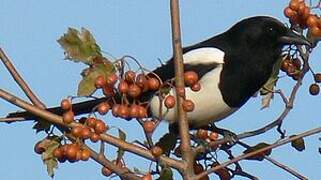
(112, 79)
(108, 91)
(301, 8)
(314, 89)
(65, 104)
(190, 77)
(103, 108)
(68, 117)
(316, 31)
(213, 136)
(38, 148)
(86, 133)
(134, 91)
(115, 110)
(85, 155)
(91, 122)
(123, 87)
(71, 153)
(58, 153)
(100, 127)
(130, 76)
(149, 126)
(289, 13)
(76, 131)
(100, 82)
(123, 111)
(188, 105)
(196, 87)
(134, 111)
(147, 176)
(94, 137)
(170, 101)
(156, 151)
(312, 21)
(141, 81)
(142, 113)
(153, 84)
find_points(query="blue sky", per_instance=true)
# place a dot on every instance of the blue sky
(28, 33)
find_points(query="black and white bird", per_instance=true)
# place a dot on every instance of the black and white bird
(232, 67)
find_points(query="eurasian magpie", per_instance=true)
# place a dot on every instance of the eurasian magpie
(232, 67)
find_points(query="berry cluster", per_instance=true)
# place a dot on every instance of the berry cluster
(91, 129)
(300, 14)
(292, 67)
(71, 152)
(68, 115)
(206, 135)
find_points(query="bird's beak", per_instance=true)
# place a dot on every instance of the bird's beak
(294, 38)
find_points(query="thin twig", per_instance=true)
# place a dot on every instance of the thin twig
(272, 146)
(16, 119)
(16, 76)
(187, 154)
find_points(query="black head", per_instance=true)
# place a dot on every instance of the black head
(264, 32)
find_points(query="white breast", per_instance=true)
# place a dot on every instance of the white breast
(209, 104)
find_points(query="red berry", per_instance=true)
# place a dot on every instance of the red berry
(91, 122)
(106, 172)
(100, 82)
(94, 137)
(58, 153)
(86, 133)
(85, 155)
(317, 77)
(149, 126)
(38, 148)
(142, 113)
(103, 108)
(141, 80)
(68, 117)
(115, 110)
(108, 91)
(65, 104)
(130, 76)
(76, 131)
(188, 105)
(123, 87)
(312, 21)
(123, 111)
(134, 91)
(100, 127)
(196, 87)
(112, 79)
(134, 111)
(289, 13)
(314, 89)
(190, 77)
(71, 153)
(170, 101)
(153, 84)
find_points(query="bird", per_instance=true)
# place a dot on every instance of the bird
(232, 66)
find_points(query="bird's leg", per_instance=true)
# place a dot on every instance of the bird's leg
(228, 135)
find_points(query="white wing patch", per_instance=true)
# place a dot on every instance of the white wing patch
(209, 103)
(204, 56)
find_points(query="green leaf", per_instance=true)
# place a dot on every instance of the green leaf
(120, 151)
(167, 142)
(86, 86)
(298, 144)
(80, 46)
(259, 156)
(166, 174)
(271, 82)
(50, 144)
(42, 125)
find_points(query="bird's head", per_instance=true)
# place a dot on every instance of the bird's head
(266, 32)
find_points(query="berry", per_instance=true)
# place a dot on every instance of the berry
(68, 117)
(106, 172)
(58, 153)
(115, 110)
(91, 122)
(100, 82)
(312, 21)
(130, 76)
(289, 13)
(134, 111)
(314, 89)
(94, 137)
(294, 5)
(190, 77)
(65, 104)
(85, 155)
(76, 131)
(86, 133)
(123, 111)
(170, 101)
(103, 108)
(38, 148)
(112, 79)
(149, 126)
(108, 91)
(134, 91)
(188, 105)
(71, 153)
(196, 87)
(213, 136)
(123, 87)
(285, 64)
(100, 127)
(141, 81)
(142, 113)
(156, 151)
(147, 176)
(317, 77)
(180, 91)
(316, 31)
(202, 134)
(153, 84)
